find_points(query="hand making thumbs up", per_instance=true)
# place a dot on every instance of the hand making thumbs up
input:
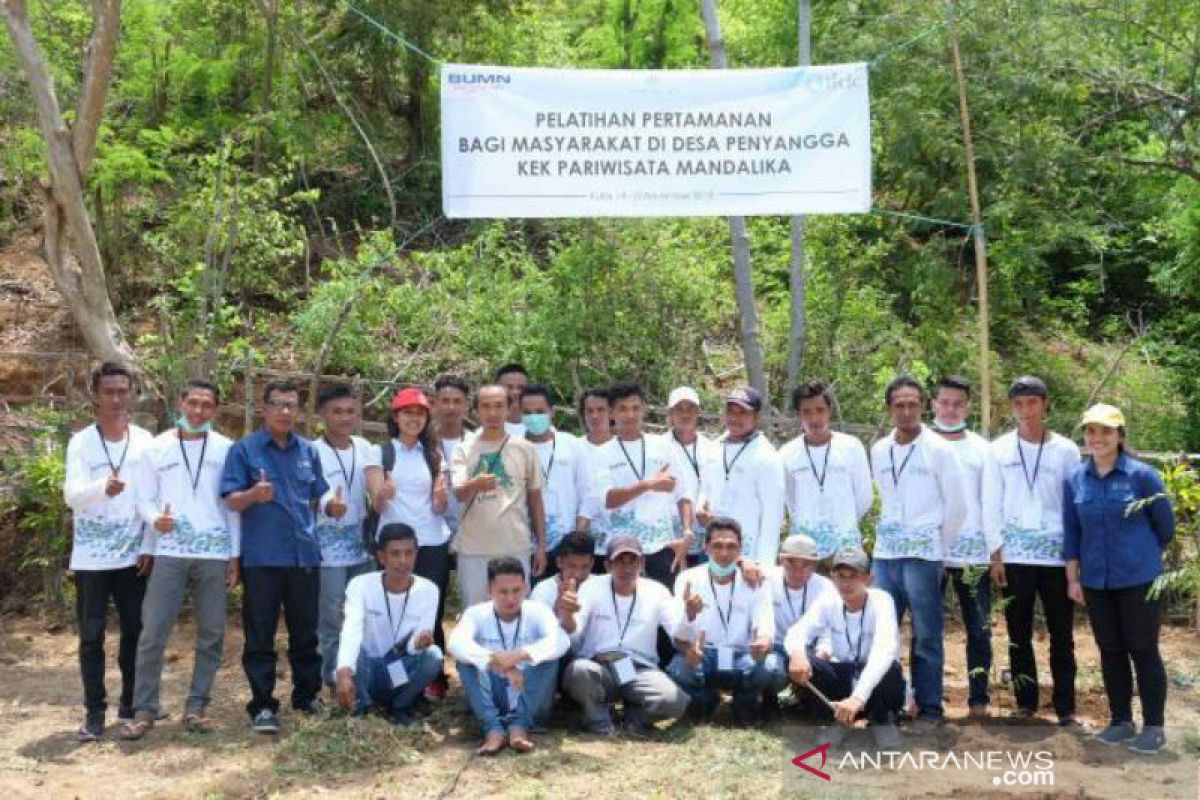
(263, 491)
(336, 508)
(568, 597)
(693, 603)
(663, 480)
(695, 651)
(164, 522)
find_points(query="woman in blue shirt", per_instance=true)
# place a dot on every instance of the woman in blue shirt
(1113, 555)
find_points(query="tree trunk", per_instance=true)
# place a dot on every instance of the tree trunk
(743, 277)
(798, 333)
(70, 240)
(270, 12)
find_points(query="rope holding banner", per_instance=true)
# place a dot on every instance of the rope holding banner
(391, 33)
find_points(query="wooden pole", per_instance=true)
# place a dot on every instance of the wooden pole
(981, 275)
(798, 335)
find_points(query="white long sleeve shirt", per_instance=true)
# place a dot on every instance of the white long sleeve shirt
(341, 540)
(827, 490)
(792, 604)
(868, 637)
(453, 506)
(571, 488)
(546, 592)
(726, 620)
(374, 620)
(652, 517)
(744, 480)
(924, 500)
(980, 535)
(186, 475)
(607, 622)
(691, 459)
(108, 530)
(1032, 496)
(602, 476)
(480, 633)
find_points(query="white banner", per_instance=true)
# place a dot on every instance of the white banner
(520, 142)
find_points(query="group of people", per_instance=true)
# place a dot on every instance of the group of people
(639, 574)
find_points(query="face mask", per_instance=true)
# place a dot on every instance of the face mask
(719, 571)
(945, 427)
(537, 424)
(182, 422)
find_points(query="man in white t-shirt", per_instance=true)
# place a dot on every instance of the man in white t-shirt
(692, 449)
(1034, 464)
(614, 634)
(827, 478)
(451, 398)
(855, 661)
(195, 540)
(923, 507)
(727, 634)
(795, 588)
(344, 459)
(109, 554)
(744, 480)
(646, 500)
(976, 552)
(386, 653)
(507, 651)
(571, 493)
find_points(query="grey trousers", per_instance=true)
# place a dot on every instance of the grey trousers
(170, 580)
(472, 577)
(332, 608)
(652, 695)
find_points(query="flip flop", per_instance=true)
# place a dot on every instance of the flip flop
(132, 731)
(197, 723)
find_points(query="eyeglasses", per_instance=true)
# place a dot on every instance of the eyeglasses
(277, 405)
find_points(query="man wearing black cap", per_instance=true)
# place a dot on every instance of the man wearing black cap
(1034, 462)
(615, 634)
(744, 480)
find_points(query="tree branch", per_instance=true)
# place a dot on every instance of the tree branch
(97, 75)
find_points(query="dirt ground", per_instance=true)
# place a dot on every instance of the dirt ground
(367, 758)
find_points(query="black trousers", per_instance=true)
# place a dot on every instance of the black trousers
(93, 588)
(658, 568)
(1026, 584)
(433, 564)
(836, 681)
(298, 591)
(1125, 623)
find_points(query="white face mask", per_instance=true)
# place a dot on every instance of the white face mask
(946, 427)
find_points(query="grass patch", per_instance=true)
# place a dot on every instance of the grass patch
(344, 744)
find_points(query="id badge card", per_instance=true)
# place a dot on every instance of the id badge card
(724, 658)
(397, 673)
(624, 670)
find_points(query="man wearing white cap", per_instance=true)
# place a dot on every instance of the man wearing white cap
(795, 588)
(692, 449)
(745, 479)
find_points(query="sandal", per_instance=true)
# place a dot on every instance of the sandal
(197, 722)
(133, 730)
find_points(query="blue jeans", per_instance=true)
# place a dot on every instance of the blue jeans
(916, 584)
(975, 599)
(373, 684)
(489, 701)
(747, 680)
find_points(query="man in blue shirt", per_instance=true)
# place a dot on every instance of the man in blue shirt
(273, 477)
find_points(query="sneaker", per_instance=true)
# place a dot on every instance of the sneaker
(635, 724)
(746, 715)
(265, 721)
(313, 708)
(1116, 733)
(887, 736)
(1073, 724)
(1151, 741)
(1023, 714)
(978, 711)
(401, 719)
(92, 727)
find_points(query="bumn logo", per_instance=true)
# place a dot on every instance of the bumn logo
(823, 749)
(473, 77)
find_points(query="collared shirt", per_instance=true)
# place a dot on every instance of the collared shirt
(376, 620)
(827, 490)
(792, 604)
(734, 614)
(607, 622)
(923, 498)
(281, 533)
(108, 530)
(480, 632)
(1031, 502)
(981, 532)
(1116, 549)
(571, 488)
(186, 475)
(341, 540)
(744, 480)
(413, 503)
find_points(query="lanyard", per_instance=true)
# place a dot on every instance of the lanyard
(492, 460)
(550, 465)
(617, 614)
(500, 630)
(728, 615)
(348, 476)
(862, 630)
(897, 475)
(820, 477)
(195, 479)
(724, 453)
(1037, 464)
(787, 593)
(692, 457)
(117, 466)
(636, 474)
(394, 627)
